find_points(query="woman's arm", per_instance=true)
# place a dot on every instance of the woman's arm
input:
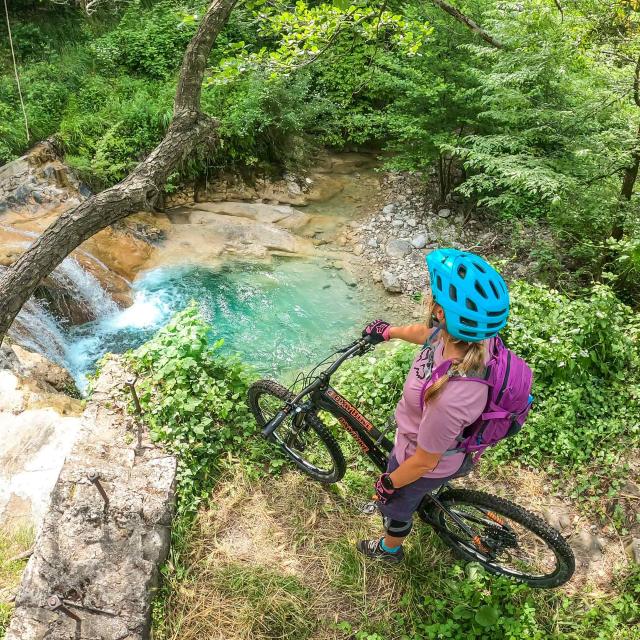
(416, 333)
(414, 467)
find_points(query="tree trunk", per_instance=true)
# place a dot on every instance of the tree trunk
(139, 190)
(631, 172)
(628, 184)
(468, 22)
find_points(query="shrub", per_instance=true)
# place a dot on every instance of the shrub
(194, 402)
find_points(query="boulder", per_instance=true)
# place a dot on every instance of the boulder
(398, 248)
(419, 241)
(391, 282)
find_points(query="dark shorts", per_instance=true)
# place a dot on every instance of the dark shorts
(407, 499)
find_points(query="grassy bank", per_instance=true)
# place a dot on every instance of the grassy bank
(260, 552)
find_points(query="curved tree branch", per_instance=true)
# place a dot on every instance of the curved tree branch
(469, 23)
(139, 190)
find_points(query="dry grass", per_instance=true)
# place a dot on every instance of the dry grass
(277, 560)
(13, 543)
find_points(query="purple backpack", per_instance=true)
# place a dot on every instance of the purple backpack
(509, 379)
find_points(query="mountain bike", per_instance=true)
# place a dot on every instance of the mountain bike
(498, 534)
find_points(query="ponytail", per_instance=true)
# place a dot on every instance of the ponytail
(472, 364)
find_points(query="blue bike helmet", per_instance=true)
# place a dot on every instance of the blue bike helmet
(472, 293)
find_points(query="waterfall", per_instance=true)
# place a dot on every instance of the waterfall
(85, 286)
(36, 328)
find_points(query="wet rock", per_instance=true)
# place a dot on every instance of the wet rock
(347, 277)
(391, 282)
(40, 368)
(398, 248)
(419, 241)
(444, 213)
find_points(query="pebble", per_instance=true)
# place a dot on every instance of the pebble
(358, 250)
(372, 242)
(389, 209)
(397, 223)
(444, 213)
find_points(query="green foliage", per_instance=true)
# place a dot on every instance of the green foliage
(585, 354)
(194, 401)
(374, 383)
(586, 360)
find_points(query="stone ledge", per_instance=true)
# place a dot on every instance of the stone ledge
(102, 558)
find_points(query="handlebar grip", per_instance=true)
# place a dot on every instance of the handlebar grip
(273, 424)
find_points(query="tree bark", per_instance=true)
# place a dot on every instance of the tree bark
(139, 190)
(469, 23)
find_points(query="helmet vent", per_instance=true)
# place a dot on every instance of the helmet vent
(462, 271)
(439, 282)
(471, 305)
(453, 294)
(470, 334)
(479, 267)
(468, 322)
(494, 325)
(496, 314)
(495, 291)
(481, 291)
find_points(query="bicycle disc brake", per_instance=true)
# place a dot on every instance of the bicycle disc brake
(495, 539)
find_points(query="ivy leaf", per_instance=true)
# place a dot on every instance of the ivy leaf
(487, 615)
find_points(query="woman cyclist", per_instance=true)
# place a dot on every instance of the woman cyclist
(468, 306)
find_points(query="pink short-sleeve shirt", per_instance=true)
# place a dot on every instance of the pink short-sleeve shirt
(435, 427)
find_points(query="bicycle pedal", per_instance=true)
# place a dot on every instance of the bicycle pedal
(368, 508)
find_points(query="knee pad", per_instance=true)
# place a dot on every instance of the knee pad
(397, 528)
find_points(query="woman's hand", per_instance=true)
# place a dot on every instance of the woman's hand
(384, 488)
(377, 331)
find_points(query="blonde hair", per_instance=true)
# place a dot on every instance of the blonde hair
(473, 361)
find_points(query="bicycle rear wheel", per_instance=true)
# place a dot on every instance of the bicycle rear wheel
(507, 539)
(304, 438)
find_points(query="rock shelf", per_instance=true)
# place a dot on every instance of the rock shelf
(106, 532)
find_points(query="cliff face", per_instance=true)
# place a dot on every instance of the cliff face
(105, 531)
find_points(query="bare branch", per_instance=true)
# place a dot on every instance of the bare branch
(636, 83)
(469, 23)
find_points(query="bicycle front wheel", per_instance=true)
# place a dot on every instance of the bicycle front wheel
(304, 438)
(503, 537)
